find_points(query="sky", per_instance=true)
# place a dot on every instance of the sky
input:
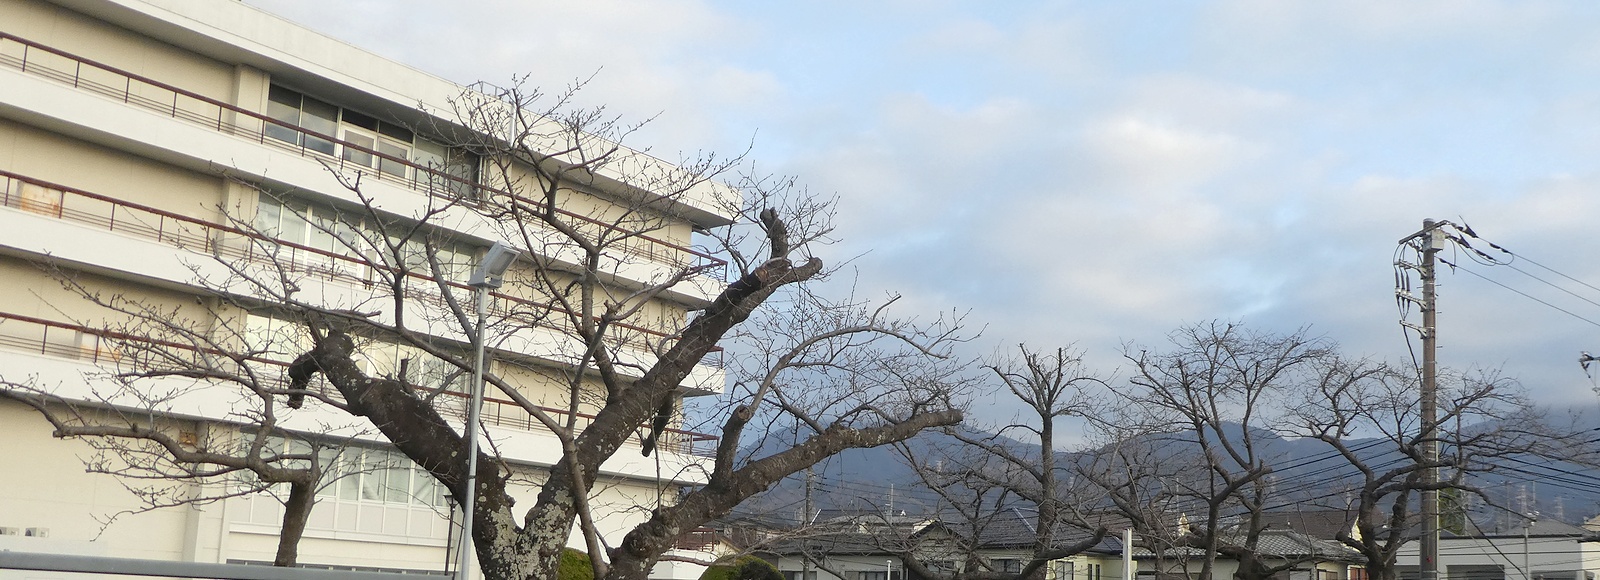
(1099, 173)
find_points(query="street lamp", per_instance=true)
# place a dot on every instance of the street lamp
(1527, 571)
(488, 275)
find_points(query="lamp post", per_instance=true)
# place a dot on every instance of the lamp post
(488, 275)
(1527, 569)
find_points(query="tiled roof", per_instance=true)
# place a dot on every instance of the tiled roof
(1319, 523)
(1280, 544)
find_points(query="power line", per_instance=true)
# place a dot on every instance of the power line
(1523, 294)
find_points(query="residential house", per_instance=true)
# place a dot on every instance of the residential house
(870, 548)
(1306, 558)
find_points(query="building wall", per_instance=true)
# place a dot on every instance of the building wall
(853, 567)
(71, 134)
(1545, 556)
(78, 33)
(1226, 567)
(47, 489)
(1087, 566)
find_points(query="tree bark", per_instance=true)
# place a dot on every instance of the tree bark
(633, 559)
(296, 511)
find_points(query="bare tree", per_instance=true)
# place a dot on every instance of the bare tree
(601, 265)
(1219, 389)
(1368, 413)
(1135, 474)
(152, 357)
(988, 484)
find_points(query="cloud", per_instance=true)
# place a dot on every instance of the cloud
(641, 58)
(1101, 172)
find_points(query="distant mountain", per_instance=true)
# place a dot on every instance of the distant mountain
(1307, 474)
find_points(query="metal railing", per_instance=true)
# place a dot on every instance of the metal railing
(101, 346)
(102, 211)
(100, 566)
(133, 89)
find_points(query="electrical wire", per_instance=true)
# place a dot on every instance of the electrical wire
(1525, 295)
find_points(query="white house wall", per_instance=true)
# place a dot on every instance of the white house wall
(1541, 553)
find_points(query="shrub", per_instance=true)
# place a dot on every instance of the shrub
(742, 568)
(574, 566)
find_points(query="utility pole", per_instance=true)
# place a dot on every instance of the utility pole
(1128, 571)
(805, 520)
(1433, 241)
(1428, 243)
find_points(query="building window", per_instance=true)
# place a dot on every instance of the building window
(280, 339)
(297, 110)
(799, 575)
(346, 234)
(1006, 565)
(1475, 572)
(368, 134)
(356, 473)
(383, 476)
(1063, 570)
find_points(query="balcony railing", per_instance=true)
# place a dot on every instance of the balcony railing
(185, 232)
(88, 75)
(101, 346)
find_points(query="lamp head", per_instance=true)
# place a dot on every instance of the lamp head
(492, 269)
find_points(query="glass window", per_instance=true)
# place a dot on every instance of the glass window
(374, 477)
(396, 132)
(299, 111)
(328, 458)
(292, 224)
(447, 163)
(397, 488)
(350, 485)
(425, 490)
(304, 115)
(283, 105)
(363, 141)
(360, 120)
(268, 212)
(393, 149)
(1064, 570)
(434, 157)
(321, 224)
(322, 118)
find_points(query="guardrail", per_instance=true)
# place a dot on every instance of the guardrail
(100, 346)
(100, 566)
(133, 89)
(102, 211)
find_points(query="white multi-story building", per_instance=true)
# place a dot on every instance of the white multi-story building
(138, 139)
